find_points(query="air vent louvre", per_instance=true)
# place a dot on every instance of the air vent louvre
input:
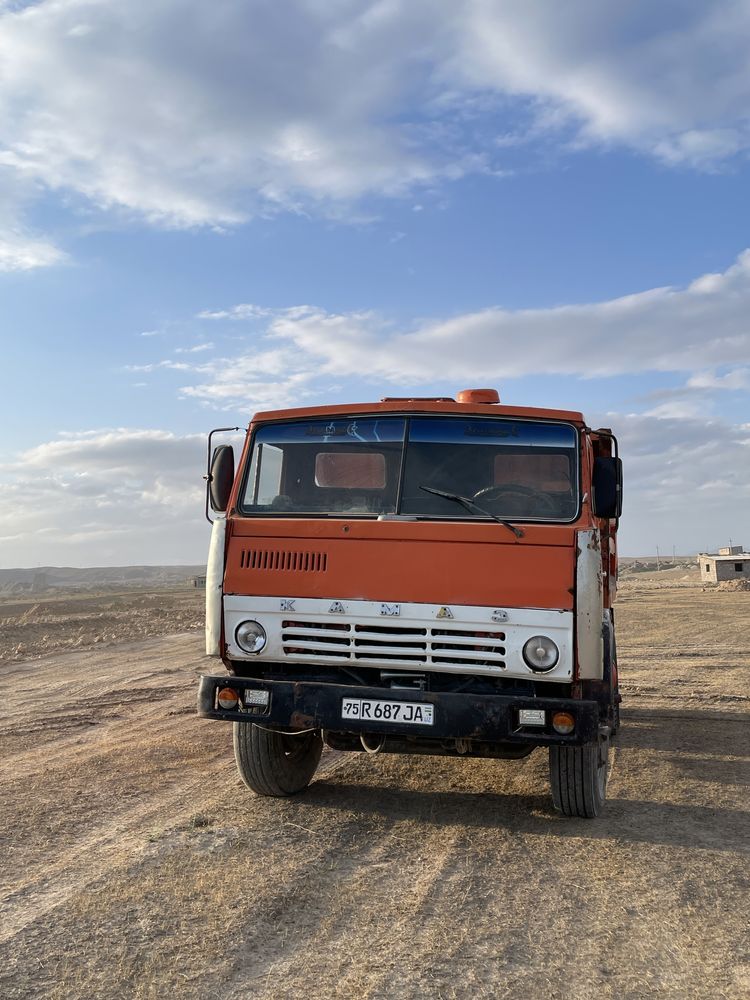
(284, 560)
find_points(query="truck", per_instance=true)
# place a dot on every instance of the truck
(416, 576)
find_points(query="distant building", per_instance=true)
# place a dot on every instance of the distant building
(729, 563)
(731, 550)
(199, 582)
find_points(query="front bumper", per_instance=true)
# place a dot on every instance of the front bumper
(313, 705)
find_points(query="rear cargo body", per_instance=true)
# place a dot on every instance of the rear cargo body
(422, 576)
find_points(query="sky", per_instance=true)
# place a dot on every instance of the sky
(210, 209)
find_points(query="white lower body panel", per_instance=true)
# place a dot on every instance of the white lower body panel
(410, 637)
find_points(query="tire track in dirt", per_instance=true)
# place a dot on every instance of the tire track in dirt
(123, 839)
(110, 846)
(80, 733)
(403, 871)
(336, 912)
(129, 720)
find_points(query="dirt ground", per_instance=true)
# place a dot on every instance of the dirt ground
(135, 865)
(33, 626)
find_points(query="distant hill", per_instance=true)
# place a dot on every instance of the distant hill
(46, 578)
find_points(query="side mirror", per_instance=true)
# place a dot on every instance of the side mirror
(221, 477)
(606, 493)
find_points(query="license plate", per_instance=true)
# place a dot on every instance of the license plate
(372, 710)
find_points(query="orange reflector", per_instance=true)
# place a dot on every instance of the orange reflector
(227, 699)
(563, 723)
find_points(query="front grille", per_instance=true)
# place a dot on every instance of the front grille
(304, 640)
(294, 561)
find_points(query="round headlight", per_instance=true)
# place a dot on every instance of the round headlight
(250, 636)
(541, 653)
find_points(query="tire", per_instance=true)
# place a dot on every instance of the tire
(275, 764)
(579, 778)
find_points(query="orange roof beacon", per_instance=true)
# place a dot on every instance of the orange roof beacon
(431, 576)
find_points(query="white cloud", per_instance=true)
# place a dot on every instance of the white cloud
(672, 82)
(189, 114)
(687, 481)
(676, 409)
(696, 329)
(21, 249)
(738, 378)
(194, 114)
(243, 311)
(178, 366)
(196, 349)
(264, 379)
(106, 497)
(20, 252)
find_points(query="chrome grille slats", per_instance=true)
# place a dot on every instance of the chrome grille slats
(392, 629)
(406, 651)
(311, 642)
(390, 657)
(450, 642)
(305, 631)
(392, 643)
(449, 656)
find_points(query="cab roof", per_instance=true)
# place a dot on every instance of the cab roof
(420, 405)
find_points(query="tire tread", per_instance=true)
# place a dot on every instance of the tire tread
(263, 766)
(574, 775)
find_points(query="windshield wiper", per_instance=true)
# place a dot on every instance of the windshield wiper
(469, 504)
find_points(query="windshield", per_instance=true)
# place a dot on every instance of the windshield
(513, 469)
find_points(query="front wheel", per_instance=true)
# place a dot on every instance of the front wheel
(275, 764)
(579, 776)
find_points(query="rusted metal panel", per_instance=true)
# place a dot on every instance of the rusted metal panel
(589, 605)
(457, 715)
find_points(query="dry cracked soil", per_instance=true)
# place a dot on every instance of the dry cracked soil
(135, 865)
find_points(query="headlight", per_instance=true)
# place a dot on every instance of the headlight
(250, 636)
(541, 653)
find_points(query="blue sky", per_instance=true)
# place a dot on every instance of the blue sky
(210, 209)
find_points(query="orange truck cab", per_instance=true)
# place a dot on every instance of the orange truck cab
(430, 576)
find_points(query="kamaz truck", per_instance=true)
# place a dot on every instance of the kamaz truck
(416, 576)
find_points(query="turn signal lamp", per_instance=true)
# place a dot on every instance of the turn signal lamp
(563, 723)
(227, 698)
